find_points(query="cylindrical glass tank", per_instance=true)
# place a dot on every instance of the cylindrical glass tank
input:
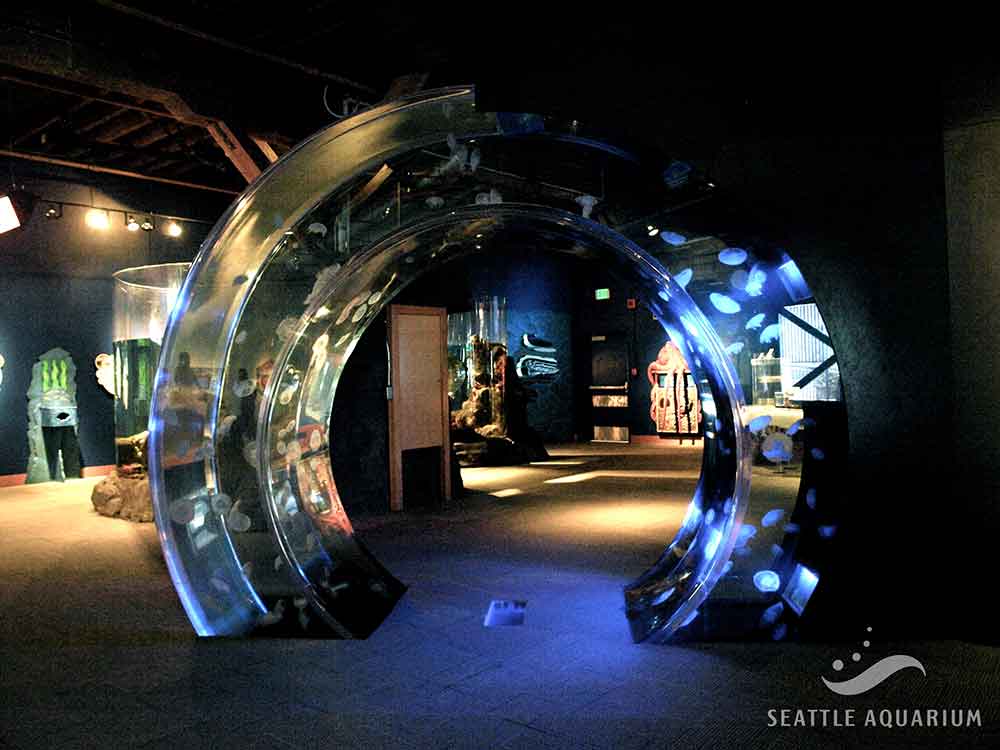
(459, 334)
(143, 299)
(488, 358)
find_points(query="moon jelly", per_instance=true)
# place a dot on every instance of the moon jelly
(771, 333)
(732, 256)
(766, 581)
(724, 304)
(772, 517)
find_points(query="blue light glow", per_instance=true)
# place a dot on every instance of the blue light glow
(755, 281)
(663, 597)
(811, 499)
(793, 281)
(771, 333)
(683, 277)
(792, 528)
(676, 174)
(672, 238)
(779, 633)
(724, 303)
(772, 517)
(755, 322)
(733, 256)
(746, 533)
(801, 584)
(735, 348)
(771, 614)
(766, 581)
(712, 546)
(827, 531)
(692, 517)
(818, 454)
(777, 447)
(690, 326)
(759, 423)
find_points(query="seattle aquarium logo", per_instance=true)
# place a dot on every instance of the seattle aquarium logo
(875, 675)
(881, 717)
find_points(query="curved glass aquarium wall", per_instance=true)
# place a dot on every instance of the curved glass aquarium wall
(143, 299)
(253, 528)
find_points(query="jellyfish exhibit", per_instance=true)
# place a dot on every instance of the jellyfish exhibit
(252, 525)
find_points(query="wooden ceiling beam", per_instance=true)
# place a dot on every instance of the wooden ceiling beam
(121, 126)
(111, 170)
(98, 122)
(68, 88)
(157, 131)
(50, 122)
(50, 62)
(265, 148)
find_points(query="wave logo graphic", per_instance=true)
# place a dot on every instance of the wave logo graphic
(875, 675)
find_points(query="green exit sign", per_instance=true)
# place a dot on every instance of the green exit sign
(602, 294)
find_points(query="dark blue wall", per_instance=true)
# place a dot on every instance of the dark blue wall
(538, 287)
(38, 313)
(56, 290)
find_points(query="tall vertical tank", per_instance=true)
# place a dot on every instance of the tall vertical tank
(143, 299)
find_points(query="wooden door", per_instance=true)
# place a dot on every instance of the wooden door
(418, 405)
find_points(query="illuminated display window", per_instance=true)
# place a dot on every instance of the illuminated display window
(801, 585)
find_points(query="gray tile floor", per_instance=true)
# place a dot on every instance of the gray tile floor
(95, 650)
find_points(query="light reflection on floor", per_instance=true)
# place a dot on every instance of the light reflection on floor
(612, 507)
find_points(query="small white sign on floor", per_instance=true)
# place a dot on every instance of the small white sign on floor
(505, 612)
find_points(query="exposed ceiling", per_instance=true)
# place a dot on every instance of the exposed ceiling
(208, 92)
(201, 93)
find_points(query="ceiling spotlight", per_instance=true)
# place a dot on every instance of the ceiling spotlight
(53, 211)
(173, 229)
(653, 231)
(131, 223)
(146, 225)
(15, 208)
(98, 219)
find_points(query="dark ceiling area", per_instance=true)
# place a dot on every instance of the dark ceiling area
(208, 93)
(202, 93)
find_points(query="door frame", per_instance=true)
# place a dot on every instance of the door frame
(395, 448)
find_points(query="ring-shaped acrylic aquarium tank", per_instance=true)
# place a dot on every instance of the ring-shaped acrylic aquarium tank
(252, 526)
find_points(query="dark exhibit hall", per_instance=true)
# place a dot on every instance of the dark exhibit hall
(384, 377)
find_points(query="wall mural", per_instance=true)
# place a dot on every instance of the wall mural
(538, 365)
